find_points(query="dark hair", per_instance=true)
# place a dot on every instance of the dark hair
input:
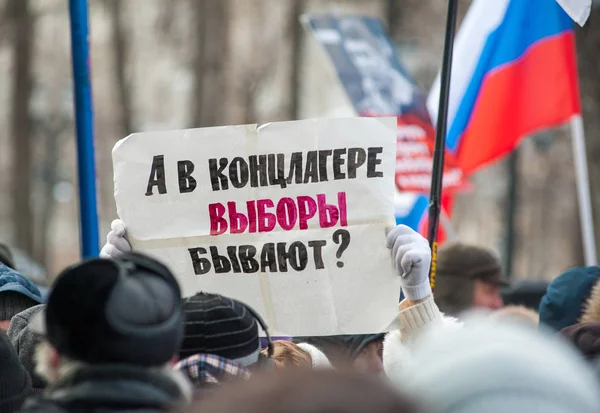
(304, 391)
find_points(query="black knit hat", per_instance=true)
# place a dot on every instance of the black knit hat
(126, 310)
(221, 326)
(15, 383)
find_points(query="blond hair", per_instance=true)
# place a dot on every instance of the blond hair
(518, 314)
(288, 355)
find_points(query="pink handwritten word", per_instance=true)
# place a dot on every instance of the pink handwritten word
(263, 215)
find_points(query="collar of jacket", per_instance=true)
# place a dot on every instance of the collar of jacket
(116, 387)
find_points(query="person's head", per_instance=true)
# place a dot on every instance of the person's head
(307, 391)
(362, 352)
(288, 355)
(564, 302)
(527, 293)
(125, 311)
(370, 356)
(221, 326)
(516, 314)
(467, 277)
(498, 368)
(15, 383)
(17, 294)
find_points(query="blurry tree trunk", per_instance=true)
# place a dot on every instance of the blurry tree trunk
(296, 45)
(588, 45)
(393, 11)
(50, 131)
(548, 237)
(22, 24)
(210, 22)
(120, 49)
(265, 60)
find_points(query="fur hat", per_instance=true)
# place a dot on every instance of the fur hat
(122, 311)
(498, 368)
(591, 308)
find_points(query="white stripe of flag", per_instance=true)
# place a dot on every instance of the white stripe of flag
(579, 10)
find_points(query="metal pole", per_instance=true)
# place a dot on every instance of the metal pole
(84, 124)
(583, 192)
(437, 172)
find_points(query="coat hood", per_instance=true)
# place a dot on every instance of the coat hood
(114, 388)
(586, 337)
(24, 340)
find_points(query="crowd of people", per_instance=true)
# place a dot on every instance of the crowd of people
(114, 335)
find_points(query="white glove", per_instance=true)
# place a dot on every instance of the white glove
(412, 257)
(116, 244)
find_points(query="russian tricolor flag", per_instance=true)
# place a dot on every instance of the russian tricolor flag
(514, 73)
(579, 10)
(411, 209)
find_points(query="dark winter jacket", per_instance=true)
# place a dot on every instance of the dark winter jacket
(109, 389)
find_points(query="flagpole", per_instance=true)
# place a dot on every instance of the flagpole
(84, 125)
(437, 171)
(583, 191)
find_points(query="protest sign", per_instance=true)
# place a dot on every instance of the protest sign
(377, 84)
(289, 218)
